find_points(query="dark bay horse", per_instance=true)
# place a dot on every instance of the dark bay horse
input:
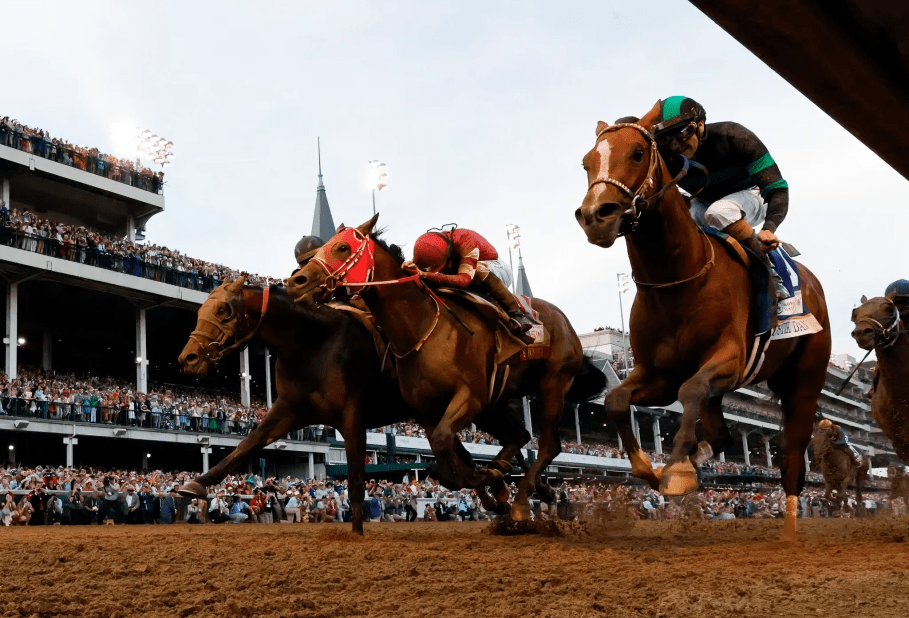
(445, 359)
(691, 323)
(327, 372)
(878, 326)
(838, 468)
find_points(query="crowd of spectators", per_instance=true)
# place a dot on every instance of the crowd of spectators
(81, 496)
(39, 142)
(66, 396)
(27, 231)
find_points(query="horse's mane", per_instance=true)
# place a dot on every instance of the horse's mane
(393, 250)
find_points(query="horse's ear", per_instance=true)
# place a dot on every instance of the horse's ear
(366, 228)
(864, 299)
(340, 229)
(854, 315)
(652, 117)
(601, 126)
(238, 284)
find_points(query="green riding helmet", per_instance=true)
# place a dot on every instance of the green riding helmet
(678, 118)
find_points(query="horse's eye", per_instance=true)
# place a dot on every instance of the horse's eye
(221, 310)
(343, 247)
(638, 154)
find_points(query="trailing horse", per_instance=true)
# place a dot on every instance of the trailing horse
(878, 326)
(839, 469)
(691, 322)
(447, 356)
(327, 372)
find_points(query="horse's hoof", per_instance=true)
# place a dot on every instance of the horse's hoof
(192, 489)
(679, 479)
(500, 491)
(491, 475)
(520, 512)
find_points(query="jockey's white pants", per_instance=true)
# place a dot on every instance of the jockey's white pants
(747, 204)
(499, 268)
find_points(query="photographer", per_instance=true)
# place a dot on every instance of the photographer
(110, 507)
(218, 509)
(194, 512)
(76, 508)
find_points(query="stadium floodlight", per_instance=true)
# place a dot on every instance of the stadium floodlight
(138, 359)
(12, 448)
(21, 340)
(376, 180)
(148, 455)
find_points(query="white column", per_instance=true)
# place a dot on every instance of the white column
(205, 451)
(527, 424)
(416, 473)
(635, 428)
(767, 451)
(657, 438)
(621, 446)
(745, 448)
(312, 465)
(244, 377)
(267, 379)
(46, 347)
(12, 330)
(131, 228)
(70, 442)
(5, 194)
(141, 351)
(577, 423)
(807, 461)
(723, 456)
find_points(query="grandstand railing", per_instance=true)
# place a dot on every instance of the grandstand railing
(89, 163)
(128, 264)
(165, 420)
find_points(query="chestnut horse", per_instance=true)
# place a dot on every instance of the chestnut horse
(317, 378)
(878, 326)
(445, 359)
(691, 322)
(838, 468)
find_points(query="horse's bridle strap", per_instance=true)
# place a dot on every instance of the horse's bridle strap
(706, 268)
(888, 334)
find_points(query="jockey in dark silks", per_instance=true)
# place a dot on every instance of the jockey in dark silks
(898, 292)
(743, 188)
(306, 248)
(457, 259)
(841, 441)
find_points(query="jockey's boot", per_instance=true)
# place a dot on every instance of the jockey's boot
(742, 231)
(518, 323)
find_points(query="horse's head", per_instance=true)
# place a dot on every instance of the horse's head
(221, 317)
(827, 428)
(347, 257)
(876, 323)
(622, 169)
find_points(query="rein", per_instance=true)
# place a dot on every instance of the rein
(214, 350)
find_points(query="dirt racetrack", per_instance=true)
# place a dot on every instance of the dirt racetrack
(703, 569)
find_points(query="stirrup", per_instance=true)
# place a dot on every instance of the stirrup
(781, 292)
(519, 322)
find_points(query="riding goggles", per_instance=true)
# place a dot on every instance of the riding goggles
(677, 135)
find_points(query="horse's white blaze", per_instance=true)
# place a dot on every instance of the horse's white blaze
(605, 151)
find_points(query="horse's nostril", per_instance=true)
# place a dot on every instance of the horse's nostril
(191, 358)
(604, 210)
(578, 215)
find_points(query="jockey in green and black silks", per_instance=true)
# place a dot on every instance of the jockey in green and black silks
(743, 190)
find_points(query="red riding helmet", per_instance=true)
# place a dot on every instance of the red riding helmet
(431, 251)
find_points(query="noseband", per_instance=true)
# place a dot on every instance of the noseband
(213, 351)
(884, 336)
(640, 203)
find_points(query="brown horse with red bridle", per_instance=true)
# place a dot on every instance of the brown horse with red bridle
(691, 321)
(445, 360)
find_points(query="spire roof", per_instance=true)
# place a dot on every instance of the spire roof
(323, 225)
(522, 285)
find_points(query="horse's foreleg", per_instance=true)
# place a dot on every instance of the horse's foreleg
(462, 409)
(637, 388)
(717, 376)
(355, 446)
(715, 432)
(279, 421)
(552, 394)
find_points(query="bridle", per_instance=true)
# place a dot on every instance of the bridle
(213, 351)
(884, 336)
(640, 203)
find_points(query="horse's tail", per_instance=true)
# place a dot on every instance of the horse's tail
(588, 384)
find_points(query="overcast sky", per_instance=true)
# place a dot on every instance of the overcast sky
(481, 110)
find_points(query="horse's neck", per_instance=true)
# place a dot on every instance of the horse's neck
(403, 311)
(286, 324)
(667, 245)
(893, 361)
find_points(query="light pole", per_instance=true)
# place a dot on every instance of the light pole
(623, 287)
(514, 240)
(377, 180)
